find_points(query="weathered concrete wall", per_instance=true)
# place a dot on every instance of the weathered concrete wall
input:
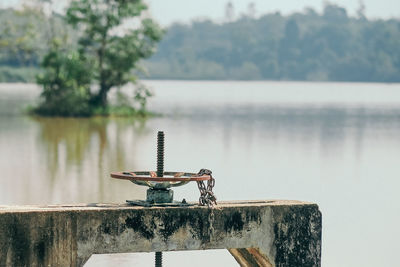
(280, 233)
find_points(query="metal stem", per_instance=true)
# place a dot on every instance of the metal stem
(158, 259)
(160, 173)
(160, 154)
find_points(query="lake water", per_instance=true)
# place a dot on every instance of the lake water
(336, 144)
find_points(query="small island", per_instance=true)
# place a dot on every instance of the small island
(78, 74)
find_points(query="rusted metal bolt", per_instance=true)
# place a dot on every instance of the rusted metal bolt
(160, 154)
(160, 173)
(158, 259)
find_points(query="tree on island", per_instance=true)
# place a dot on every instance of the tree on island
(76, 82)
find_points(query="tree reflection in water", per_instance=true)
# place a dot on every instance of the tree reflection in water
(79, 153)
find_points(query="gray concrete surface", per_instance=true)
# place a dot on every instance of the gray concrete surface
(256, 233)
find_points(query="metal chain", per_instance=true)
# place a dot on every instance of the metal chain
(207, 196)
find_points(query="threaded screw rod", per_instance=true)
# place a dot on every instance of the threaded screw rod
(160, 154)
(158, 259)
(160, 173)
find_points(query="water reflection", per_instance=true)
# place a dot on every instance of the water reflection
(344, 155)
(68, 160)
(79, 138)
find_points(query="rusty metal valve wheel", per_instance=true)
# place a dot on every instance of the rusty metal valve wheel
(169, 179)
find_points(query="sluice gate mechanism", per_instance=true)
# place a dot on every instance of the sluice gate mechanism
(159, 182)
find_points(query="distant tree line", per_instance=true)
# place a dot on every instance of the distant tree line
(327, 46)
(303, 46)
(25, 37)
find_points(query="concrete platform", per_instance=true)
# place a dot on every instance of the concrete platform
(256, 233)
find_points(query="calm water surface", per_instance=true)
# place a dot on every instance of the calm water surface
(334, 144)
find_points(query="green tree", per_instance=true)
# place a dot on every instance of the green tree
(108, 45)
(66, 84)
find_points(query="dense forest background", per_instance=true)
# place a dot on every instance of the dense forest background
(327, 46)
(25, 37)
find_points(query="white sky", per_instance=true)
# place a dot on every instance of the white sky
(168, 11)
